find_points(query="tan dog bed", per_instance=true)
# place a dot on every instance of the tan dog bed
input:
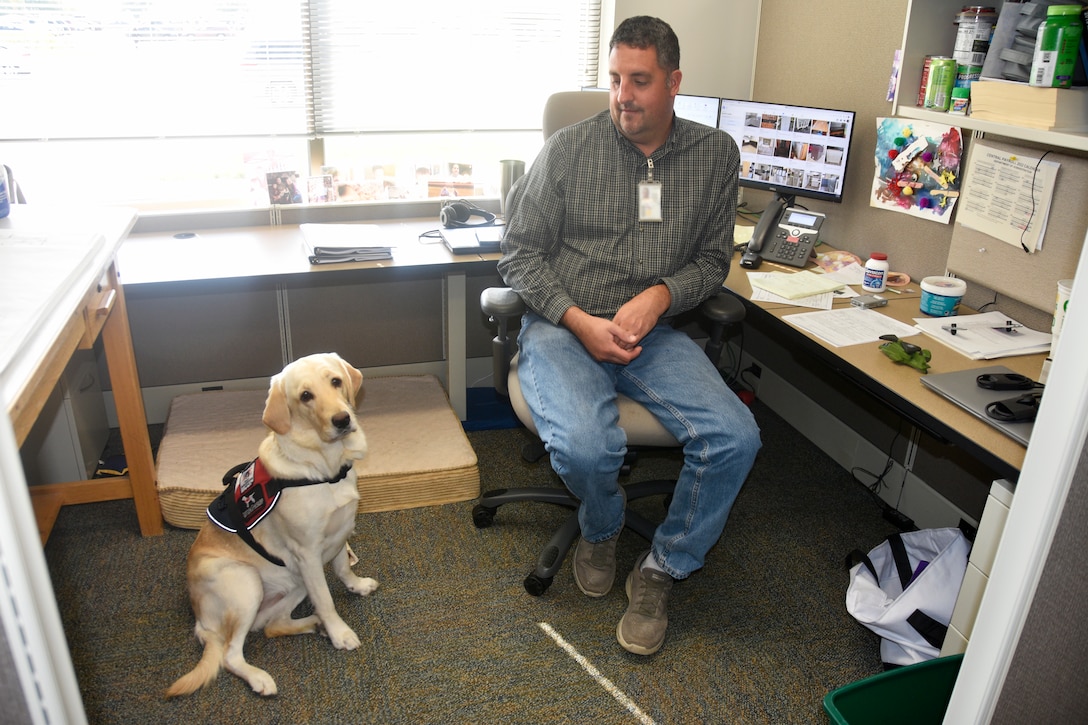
(418, 453)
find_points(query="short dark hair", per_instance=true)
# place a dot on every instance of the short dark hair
(643, 31)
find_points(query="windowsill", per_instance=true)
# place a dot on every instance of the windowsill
(174, 221)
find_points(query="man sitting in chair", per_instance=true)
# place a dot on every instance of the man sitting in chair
(624, 221)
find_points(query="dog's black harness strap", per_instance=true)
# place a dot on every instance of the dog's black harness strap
(235, 513)
(233, 510)
(294, 482)
(226, 511)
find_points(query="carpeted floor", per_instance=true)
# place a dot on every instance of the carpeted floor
(760, 635)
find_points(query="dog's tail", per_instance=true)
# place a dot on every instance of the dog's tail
(206, 670)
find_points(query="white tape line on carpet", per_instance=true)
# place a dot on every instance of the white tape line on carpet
(596, 675)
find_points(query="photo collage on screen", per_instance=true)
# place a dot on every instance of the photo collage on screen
(788, 150)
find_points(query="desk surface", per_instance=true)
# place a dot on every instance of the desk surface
(79, 301)
(50, 258)
(263, 251)
(900, 385)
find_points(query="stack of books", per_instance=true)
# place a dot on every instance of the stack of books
(1018, 104)
(331, 243)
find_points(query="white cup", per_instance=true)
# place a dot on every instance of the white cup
(1065, 286)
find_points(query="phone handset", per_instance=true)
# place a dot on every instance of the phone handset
(768, 221)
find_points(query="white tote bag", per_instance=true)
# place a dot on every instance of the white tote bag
(905, 590)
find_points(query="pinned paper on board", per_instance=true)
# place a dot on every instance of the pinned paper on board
(1008, 196)
(917, 168)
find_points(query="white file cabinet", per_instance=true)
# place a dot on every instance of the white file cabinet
(990, 528)
(72, 429)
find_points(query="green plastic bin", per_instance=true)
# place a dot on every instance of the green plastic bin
(913, 695)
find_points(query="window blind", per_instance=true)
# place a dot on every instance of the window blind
(436, 65)
(90, 69)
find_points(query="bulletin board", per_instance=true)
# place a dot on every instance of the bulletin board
(1008, 270)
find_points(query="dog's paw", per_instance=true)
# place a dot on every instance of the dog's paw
(262, 683)
(344, 638)
(362, 585)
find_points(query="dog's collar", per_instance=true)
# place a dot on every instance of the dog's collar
(250, 494)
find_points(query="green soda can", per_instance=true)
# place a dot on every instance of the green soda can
(939, 84)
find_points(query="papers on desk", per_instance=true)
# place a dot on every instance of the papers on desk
(794, 285)
(742, 234)
(986, 336)
(329, 243)
(819, 301)
(849, 325)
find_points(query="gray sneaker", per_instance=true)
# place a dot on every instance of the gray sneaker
(595, 566)
(642, 628)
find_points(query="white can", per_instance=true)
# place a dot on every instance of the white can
(974, 31)
(941, 295)
(876, 273)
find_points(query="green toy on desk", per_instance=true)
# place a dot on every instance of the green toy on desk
(906, 353)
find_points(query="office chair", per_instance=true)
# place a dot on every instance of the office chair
(723, 311)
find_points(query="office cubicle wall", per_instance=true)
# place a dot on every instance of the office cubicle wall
(717, 42)
(1010, 271)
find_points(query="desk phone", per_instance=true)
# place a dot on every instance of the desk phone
(785, 235)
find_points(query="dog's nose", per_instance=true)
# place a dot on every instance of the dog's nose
(342, 421)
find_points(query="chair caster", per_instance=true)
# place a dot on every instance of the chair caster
(537, 585)
(483, 516)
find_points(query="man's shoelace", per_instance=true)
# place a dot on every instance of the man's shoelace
(652, 593)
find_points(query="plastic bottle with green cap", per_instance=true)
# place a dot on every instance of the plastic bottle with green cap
(1056, 47)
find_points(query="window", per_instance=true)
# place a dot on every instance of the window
(210, 103)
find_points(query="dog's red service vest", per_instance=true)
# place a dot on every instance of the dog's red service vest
(250, 494)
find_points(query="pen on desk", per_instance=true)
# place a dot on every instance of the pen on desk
(1009, 327)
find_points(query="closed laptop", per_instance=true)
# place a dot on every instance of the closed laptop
(472, 240)
(962, 388)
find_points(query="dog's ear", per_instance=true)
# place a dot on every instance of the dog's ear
(354, 380)
(277, 415)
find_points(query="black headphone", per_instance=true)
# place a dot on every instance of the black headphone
(456, 214)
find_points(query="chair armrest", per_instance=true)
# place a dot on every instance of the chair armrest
(722, 310)
(501, 304)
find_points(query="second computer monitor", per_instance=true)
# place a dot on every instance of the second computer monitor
(790, 150)
(703, 109)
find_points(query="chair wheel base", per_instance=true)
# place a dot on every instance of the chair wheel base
(483, 516)
(537, 585)
(554, 553)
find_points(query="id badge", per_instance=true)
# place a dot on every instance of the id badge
(649, 201)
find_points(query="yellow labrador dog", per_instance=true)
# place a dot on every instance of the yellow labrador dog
(291, 512)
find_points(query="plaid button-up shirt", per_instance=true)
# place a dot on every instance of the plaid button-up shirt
(573, 236)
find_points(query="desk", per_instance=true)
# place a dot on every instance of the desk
(64, 292)
(276, 254)
(895, 385)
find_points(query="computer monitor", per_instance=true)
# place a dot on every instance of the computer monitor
(703, 109)
(790, 150)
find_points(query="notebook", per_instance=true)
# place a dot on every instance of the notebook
(472, 240)
(960, 388)
(331, 243)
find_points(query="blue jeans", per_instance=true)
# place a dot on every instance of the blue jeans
(573, 402)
